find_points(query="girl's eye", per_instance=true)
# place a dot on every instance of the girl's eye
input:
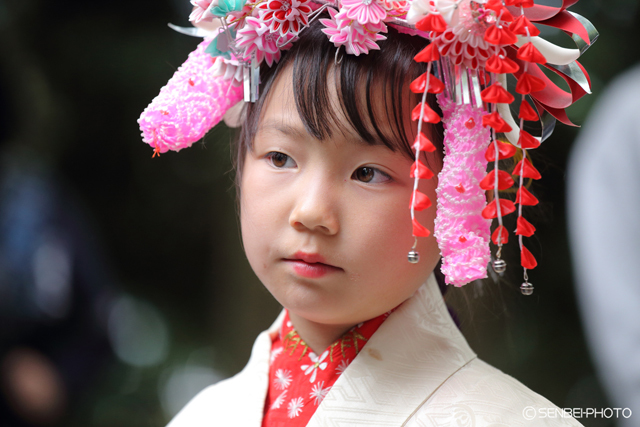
(370, 175)
(280, 160)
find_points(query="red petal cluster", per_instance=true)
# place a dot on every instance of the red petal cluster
(432, 22)
(521, 25)
(429, 116)
(423, 143)
(500, 235)
(495, 94)
(499, 35)
(504, 181)
(501, 65)
(420, 201)
(491, 210)
(423, 171)
(495, 121)
(435, 84)
(505, 151)
(428, 54)
(419, 230)
(528, 170)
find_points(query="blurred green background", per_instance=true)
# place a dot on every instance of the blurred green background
(180, 304)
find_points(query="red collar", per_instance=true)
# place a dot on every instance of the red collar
(299, 379)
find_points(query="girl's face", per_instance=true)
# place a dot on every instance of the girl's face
(326, 224)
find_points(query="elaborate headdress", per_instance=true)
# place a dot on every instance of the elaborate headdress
(474, 47)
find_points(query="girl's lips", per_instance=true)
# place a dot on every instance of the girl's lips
(310, 265)
(311, 270)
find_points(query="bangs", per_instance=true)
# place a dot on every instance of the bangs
(372, 91)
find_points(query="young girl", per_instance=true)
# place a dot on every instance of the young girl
(326, 172)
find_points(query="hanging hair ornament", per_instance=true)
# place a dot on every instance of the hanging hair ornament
(473, 46)
(479, 43)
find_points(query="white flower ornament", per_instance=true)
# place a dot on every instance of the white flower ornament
(317, 363)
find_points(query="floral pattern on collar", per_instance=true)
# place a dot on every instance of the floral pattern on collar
(299, 379)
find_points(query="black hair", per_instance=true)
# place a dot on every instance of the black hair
(360, 80)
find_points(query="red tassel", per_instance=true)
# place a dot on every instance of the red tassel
(526, 259)
(499, 35)
(496, 122)
(525, 198)
(435, 85)
(496, 94)
(527, 112)
(505, 151)
(423, 143)
(520, 25)
(419, 230)
(491, 210)
(430, 116)
(524, 227)
(528, 52)
(502, 233)
(499, 65)
(423, 171)
(421, 201)
(428, 54)
(497, 7)
(504, 181)
(432, 22)
(528, 83)
(527, 141)
(529, 170)
(519, 3)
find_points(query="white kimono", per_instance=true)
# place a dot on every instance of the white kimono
(416, 370)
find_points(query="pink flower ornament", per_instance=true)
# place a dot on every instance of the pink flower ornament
(463, 41)
(355, 37)
(365, 11)
(285, 16)
(201, 11)
(255, 37)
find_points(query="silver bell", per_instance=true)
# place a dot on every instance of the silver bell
(499, 266)
(526, 288)
(413, 257)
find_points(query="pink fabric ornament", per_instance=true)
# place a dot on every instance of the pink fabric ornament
(191, 103)
(462, 233)
(285, 16)
(355, 37)
(365, 11)
(463, 41)
(256, 37)
(201, 11)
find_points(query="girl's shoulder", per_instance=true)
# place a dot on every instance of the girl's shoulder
(481, 395)
(236, 401)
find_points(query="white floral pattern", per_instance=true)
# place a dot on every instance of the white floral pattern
(279, 400)
(283, 379)
(274, 354)
(295, 407)
(318, 393)
(342, 366)
(317, 364)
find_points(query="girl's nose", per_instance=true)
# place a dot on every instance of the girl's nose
(315, 209)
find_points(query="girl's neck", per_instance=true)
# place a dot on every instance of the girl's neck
(318, 336)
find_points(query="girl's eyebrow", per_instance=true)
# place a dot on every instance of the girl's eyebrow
(284, 128)
(299, 132)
